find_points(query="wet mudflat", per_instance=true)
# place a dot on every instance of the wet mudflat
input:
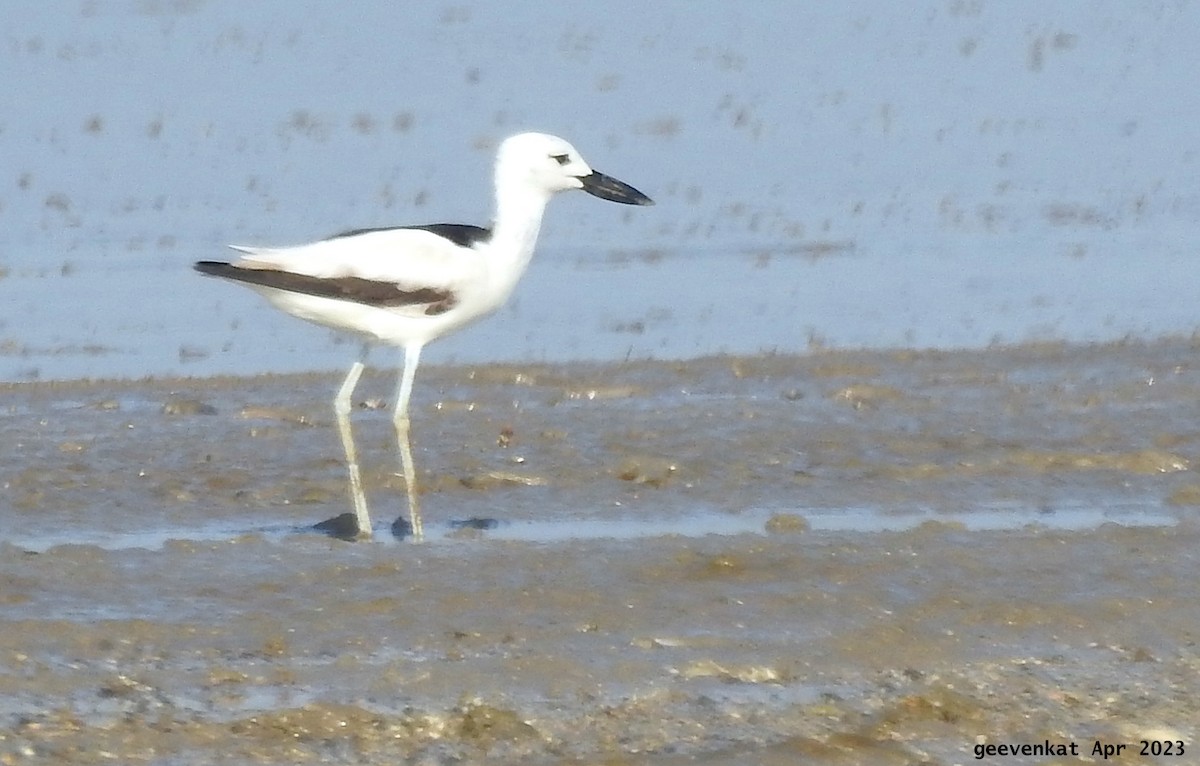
(836, 558)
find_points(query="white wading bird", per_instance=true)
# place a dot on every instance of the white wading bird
(407, 285)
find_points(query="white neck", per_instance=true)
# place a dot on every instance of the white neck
(519, 210)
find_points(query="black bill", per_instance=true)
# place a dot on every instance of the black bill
(609, 188)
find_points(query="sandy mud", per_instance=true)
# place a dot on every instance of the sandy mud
(837, 558)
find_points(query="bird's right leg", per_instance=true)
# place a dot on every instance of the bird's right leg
(341, 408)
(412, 357)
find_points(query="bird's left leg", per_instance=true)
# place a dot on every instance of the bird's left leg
(341, 408)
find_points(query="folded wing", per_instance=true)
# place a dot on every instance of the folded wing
(419, 267)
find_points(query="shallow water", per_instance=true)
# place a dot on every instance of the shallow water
(863, 520)
(843, 557)
(946, 174)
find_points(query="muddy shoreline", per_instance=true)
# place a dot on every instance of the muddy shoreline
(835, 558)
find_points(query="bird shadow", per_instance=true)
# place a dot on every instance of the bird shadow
(344, 526)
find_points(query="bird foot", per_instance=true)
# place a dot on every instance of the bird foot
(344, 526)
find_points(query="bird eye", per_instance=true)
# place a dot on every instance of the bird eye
(561, 159)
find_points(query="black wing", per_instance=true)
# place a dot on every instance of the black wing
(461, 234)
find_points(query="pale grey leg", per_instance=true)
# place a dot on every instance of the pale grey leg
(341, 408)
(412, 356)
